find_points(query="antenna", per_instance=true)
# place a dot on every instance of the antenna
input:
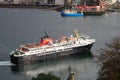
(69, 69)
(71, 74)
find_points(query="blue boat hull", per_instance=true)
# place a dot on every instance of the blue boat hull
(72, 14)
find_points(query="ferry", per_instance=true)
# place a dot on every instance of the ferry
(49, 48)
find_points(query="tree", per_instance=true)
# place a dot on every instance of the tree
(109, 59)
(43, 76)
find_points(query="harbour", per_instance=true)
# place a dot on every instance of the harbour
(22, 22)
(58, 8)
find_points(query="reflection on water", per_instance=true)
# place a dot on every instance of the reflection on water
(57, 66)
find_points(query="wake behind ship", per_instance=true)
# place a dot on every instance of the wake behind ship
(48, 48)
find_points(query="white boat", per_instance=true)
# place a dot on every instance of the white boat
(48, 48)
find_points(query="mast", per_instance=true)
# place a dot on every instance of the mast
(71, 74)
(46, 34)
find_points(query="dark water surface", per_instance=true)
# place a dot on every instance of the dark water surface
(20, 26)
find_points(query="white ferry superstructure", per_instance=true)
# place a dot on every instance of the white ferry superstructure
(48, 48)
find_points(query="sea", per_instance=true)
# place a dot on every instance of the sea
(22, 26)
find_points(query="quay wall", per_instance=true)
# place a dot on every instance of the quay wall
(49, 7)
(52, 7)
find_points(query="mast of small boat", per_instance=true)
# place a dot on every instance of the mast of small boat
(71, 74)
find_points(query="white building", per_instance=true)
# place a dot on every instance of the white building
(1, 0)
(16, 1)
(22, 1)
(110, 1)
(59, 2)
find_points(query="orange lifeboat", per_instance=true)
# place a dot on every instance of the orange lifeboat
(71, 39)
(63, 41)
(63, 37)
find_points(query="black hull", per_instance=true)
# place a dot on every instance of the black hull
(29, 59)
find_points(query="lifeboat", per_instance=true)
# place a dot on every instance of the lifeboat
(63, 41)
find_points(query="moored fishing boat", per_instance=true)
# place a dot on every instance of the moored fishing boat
(71, 13)
(48, 48)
